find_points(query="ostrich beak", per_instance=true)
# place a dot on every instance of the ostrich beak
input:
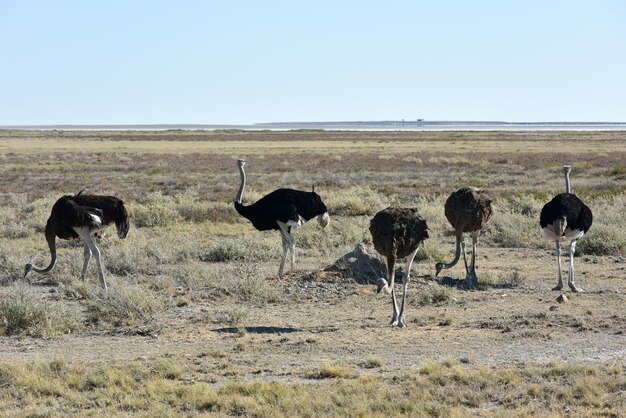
(122, 230)
(324, 219)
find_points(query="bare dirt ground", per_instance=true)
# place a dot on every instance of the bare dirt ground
(330, 319)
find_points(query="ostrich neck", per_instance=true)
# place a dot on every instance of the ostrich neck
(242, 186)
(457, 253)
(567, 187)
(53, 255)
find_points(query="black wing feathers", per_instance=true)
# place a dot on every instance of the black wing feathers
(567, 205)
(283, 205)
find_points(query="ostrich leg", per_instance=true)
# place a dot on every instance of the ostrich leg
(86, 258)
(559, 285)
(570, 273)
(467, 269)
(472, 280)
(288, 243)
(292, 247)
(88, 240)
(283, 255)
(391, 274)
(405, 285)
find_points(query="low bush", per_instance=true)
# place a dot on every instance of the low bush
(125, 305)
(225, 251)
(21, 312)
(153, 215)
(602, 240)
(433, 295)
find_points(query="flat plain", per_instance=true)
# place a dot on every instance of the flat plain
(197, 323)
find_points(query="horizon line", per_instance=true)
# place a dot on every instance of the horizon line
(345, 122)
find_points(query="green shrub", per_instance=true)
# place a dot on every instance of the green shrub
(250, 286)
(355, 201)
(23, 312)
(14, 230)
(225, 251)
(602, 240)
(433, 295)
(197, 211)
(231, 316)
(512, 230)
(124, 305)
(153, 215)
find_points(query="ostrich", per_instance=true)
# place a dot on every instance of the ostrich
(468, 210)
(85, 217)
(397, 233)
(282, 210)
(565, 216)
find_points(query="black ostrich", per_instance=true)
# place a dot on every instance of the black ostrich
(468, 210)
(565, 217)
(282, 210)
(85, 217)
(397, 233)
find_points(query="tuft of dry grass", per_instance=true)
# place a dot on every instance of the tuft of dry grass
(23, 313)
(331, 371)
(162, 387)
(126, 305)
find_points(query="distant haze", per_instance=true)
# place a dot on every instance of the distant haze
(355, 126)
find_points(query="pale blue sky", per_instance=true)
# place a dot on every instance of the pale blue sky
(130, 62)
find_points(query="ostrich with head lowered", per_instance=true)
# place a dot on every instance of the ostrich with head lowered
(397, 233)
(565, 217)
(468, 210)
(282, 210)
(85, 217)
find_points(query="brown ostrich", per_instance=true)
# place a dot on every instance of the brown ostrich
(397, 233)
(468, 210)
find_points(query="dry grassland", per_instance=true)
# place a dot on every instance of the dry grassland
(196, 323)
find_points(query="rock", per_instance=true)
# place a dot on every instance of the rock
(554, 308)
(562, 299)
(361, 266)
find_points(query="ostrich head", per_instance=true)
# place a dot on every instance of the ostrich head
(241, 162)
(121, 221)
(323, 218)
(382, 286)
(438, 268)
(28, 267)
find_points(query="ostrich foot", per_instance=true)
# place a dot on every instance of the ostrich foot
(575, 289)
(472, 280)
(558, 287)
(401, 323)
(394, 321)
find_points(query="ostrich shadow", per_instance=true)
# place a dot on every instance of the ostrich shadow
(259, 330)
(461, 284)
(275, 330)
